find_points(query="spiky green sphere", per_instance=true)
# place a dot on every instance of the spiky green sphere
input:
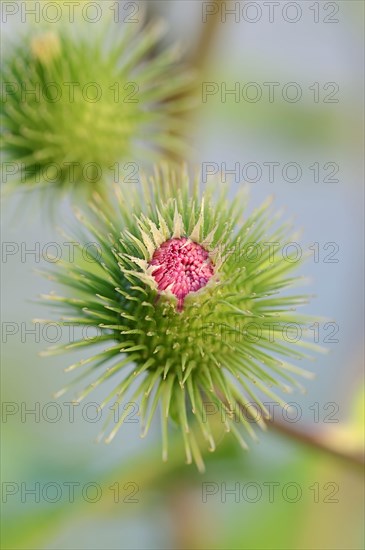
(76, 105)
(178, 291)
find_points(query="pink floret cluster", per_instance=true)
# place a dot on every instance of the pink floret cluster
(183, 266)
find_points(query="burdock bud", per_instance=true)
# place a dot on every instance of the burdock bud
(186, 292)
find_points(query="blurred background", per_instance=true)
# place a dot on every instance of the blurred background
(301, 486)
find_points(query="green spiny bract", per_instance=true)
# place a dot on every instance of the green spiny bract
(225, 343)
(77, 105)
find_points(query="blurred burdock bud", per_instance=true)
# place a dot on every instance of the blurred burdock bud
(80, 100)
(46, 47)
(174, 290)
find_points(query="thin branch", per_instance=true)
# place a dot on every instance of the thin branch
(311, 440)
(199, 57)
(316, 442)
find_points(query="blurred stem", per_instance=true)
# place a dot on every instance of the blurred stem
(197, 61)
(309, 439)
(199, 57)
(316, 442)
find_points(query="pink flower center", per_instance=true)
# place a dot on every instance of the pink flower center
(183, 266)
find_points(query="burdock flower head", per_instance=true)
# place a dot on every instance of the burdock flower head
(80, 102)
(191, 301)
